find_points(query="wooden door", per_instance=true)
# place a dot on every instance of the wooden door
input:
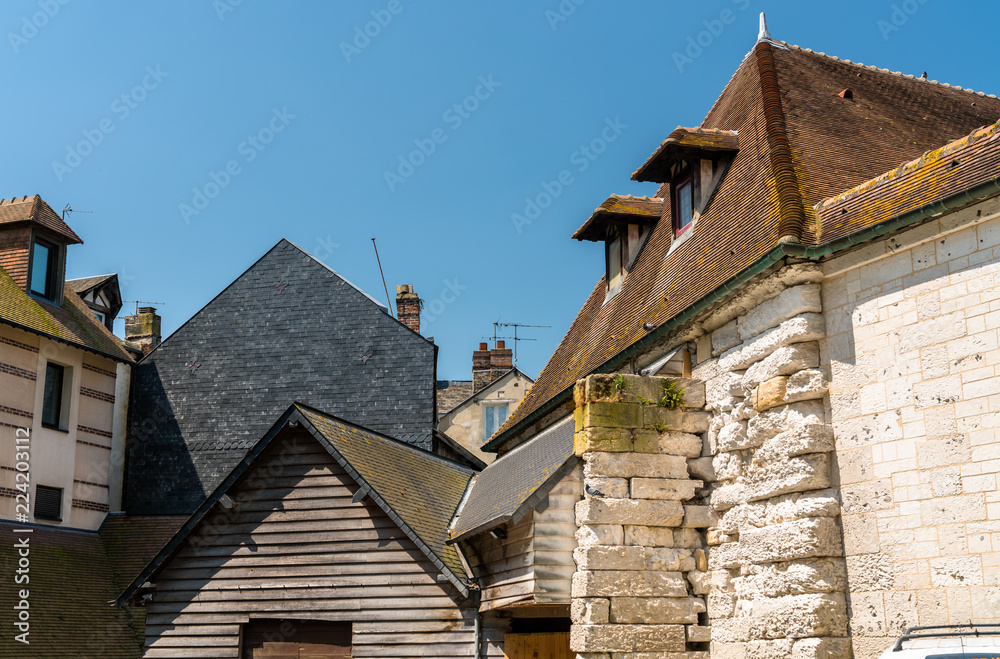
(545, 645)
(296, 639)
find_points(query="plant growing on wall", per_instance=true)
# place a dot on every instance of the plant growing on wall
(672, 397)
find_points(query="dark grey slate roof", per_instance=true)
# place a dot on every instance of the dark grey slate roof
(289, 328)
(508, 488)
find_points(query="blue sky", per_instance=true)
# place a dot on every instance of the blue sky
(199, 133)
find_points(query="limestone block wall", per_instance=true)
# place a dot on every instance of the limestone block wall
(912, 350)
(641, 577)
(777, 575)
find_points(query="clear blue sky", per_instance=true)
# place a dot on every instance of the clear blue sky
(212, 74)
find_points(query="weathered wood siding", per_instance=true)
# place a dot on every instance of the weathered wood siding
(296, 547)
(534, 563)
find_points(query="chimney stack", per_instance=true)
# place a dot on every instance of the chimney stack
(488, 365)
(143, 329)
(481, 368)
(408, 307)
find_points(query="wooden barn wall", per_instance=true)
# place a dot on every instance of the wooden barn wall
(296, 547)
(534, 563)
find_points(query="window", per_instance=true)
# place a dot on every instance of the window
(613, 258)
(493, 417)
(53, 412)
(44, 269)
(683, 204)
(48, 503)
(100, 316)
(295, 639)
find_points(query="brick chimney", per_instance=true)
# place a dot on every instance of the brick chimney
(481, 371)
(408, 307)
(143, 329)
(501, 359)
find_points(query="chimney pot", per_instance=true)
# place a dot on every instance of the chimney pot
(500, 345)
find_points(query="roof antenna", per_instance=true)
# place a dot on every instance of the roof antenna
(763, 35)
(68, 209)
(383, 278)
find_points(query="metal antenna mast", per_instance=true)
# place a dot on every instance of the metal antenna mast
(383, 277)
(68, 209)
(515, 337)
(138, 302)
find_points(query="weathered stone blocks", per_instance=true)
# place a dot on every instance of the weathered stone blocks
(599, 534)
(808, 576)
(805, 538)
(629, 465)
(774, 421)
(799, 440)
(806, 327)
(674, 420)
(628, 583)
(609, 440)
(656, 610)
(627, 638)
(664, 488)
(798, 616)
(649, 512)
(590, 611)
(634, 558)
(783, 361)
(787, 304)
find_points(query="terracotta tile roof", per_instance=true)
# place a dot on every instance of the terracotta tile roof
(36, 211)
(800, 142)
(620, 208)
(450, 393)
(71, 585)
(73, 323)
(682, 140)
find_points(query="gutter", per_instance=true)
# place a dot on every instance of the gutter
(793, 249)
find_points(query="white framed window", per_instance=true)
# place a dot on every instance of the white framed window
(494, 414)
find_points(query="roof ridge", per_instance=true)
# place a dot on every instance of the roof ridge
(899, 74)
(984, 132)
(791, 207)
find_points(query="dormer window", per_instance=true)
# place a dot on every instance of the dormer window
(683, 204)
(44, 269)
(613, 258)
(622, 223)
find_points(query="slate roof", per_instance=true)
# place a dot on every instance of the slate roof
(71, 585)
(84, 284)
(799, 142)
(418, 490)
(73, 323)
(450, 393)
(508, 488)
(289, 328)
(35, 211)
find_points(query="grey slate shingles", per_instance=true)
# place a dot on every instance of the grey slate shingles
(210, 390)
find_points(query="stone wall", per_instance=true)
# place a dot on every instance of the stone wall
(641, 577)
(912, 349)
(778, 578)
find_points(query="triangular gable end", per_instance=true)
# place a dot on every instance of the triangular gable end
(293, 418)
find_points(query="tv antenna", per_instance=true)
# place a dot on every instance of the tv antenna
(497, 324)
(69, 209)
(138, 302)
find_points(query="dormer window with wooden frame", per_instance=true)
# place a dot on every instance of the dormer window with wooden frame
(45, 269)
(622, 223)
(692, 162)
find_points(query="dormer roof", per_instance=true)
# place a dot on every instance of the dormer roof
(34, 210)
(619, 209)
(685, 143)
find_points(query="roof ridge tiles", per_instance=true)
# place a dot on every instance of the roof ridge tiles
(899, 74)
